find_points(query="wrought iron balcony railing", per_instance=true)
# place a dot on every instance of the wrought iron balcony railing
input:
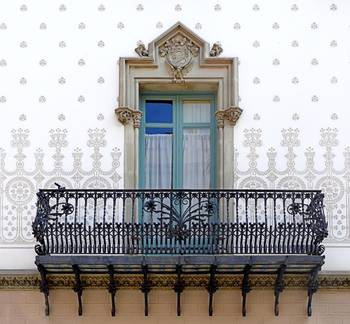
(180, 233)
(179, 222)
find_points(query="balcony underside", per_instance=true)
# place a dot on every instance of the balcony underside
(181, 265)
(191, 264)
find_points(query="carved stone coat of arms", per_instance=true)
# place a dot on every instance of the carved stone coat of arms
(179, 52)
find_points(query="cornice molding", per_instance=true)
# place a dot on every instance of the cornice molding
(32, 281)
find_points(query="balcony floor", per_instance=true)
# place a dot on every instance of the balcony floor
(191, 264)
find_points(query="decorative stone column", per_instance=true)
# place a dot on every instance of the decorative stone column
(228, 117)
(129, 117)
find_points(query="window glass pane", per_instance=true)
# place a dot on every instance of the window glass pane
(159, 111)
(196, 111)
(158, 130)
(196, 158)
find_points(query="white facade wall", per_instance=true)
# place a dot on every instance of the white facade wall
(59, 89)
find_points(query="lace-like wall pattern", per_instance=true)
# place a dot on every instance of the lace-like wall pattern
(335, 183)
(19, 184)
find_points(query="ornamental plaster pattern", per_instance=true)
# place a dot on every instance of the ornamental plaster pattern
(58, 65)
(18, 185)
(334, 182)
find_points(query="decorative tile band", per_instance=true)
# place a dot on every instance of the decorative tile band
(32, 281)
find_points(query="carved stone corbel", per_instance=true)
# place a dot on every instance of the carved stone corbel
(126, 116)
(230, 114)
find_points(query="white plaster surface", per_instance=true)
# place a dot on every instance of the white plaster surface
(59, 82)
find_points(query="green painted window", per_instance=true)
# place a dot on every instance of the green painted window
(177, 142)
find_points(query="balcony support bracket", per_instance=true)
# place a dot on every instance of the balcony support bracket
(78, 288)
(179, 288)
(312, 288)
(44, 288)
(279, 286)
(212, 287)
(145, 287)
(112, 287)
(245, 288)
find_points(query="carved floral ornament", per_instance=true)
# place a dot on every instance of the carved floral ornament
(230, 114)
(179, 52)
(126, 115)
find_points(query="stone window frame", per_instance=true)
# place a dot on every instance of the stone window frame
(155, 70)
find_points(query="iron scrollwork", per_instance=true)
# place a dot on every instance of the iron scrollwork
(179, 222)
(200, 212)
(314, 214)
(45, 214)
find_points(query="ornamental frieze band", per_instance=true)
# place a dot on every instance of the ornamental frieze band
(32, 281)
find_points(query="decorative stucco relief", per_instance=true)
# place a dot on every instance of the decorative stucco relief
(179, 52)
(335, 183)
(18, 185)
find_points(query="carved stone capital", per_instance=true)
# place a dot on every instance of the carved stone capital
(126, 116)
(230, 114)
(220, 118)
(137, 115)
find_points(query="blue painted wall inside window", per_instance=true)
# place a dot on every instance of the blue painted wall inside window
(159, 111)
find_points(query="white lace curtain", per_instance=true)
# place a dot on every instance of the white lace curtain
(158, 161)
(196, 160)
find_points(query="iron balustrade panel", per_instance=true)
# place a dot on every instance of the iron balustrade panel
(179, 222)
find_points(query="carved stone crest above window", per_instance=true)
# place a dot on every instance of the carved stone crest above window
(179, 52)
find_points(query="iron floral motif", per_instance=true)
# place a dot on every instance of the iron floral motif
(179, 52)
(173, 214)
